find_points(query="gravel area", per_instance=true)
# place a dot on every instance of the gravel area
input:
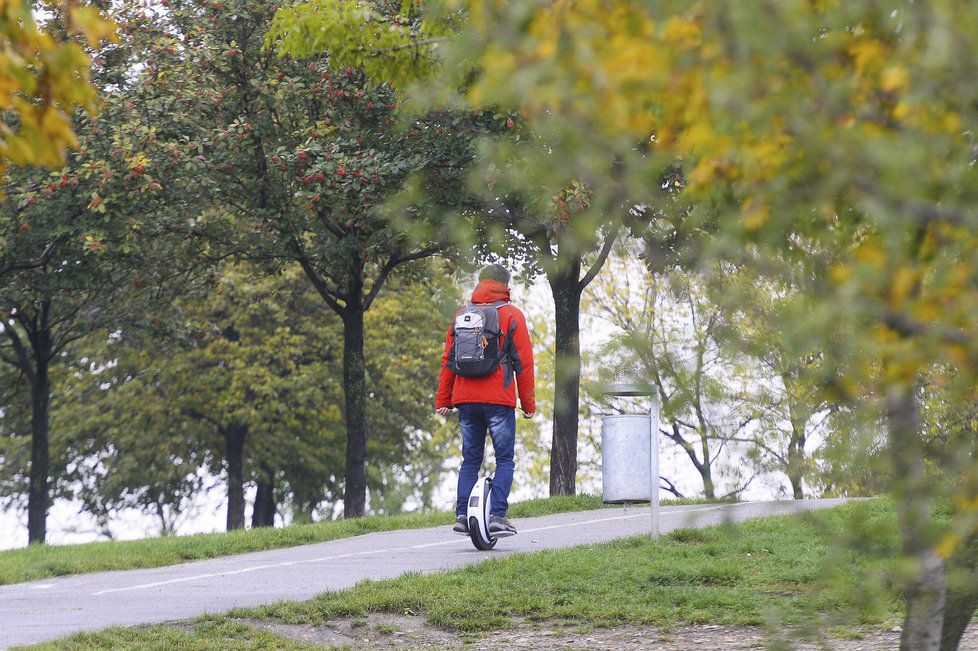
(389, 632)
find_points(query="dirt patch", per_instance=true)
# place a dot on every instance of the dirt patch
(388, 632)
(375, 631)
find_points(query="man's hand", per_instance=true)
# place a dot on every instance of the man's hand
(444, 411)
(530, 415)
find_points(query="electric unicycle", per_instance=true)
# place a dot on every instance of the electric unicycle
(480, 501)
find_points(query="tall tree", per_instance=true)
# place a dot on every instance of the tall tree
(571, 263)
(101, 222)
(298, 157)
(86, 212)
(514, 215)
(250, 388)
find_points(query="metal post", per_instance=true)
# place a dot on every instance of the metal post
(654, 474)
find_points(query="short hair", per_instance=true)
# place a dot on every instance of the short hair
(495, 272)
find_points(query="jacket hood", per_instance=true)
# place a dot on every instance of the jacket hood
(488, 291)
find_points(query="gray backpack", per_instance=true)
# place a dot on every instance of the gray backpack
(475, 340)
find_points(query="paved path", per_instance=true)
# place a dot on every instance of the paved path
(49, 609)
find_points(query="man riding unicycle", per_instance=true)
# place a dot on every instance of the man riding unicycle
(488, 359)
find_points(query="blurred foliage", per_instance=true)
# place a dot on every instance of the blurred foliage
(385, 38)
(824, 146)
(45, 76)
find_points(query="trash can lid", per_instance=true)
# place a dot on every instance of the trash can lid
(627, 389)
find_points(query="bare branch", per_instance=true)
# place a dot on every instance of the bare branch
(23, 362)
(394, 262)
(671, 488)
(907, 326)
(754, 441)
(322, 287)
(741, 489)
(592, 273)
(40, 261)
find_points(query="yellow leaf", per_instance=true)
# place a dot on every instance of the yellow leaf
(90, 23)
(867, 53)
(948, 544)
(894, 79)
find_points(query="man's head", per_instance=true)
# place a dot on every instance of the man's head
(496, 272)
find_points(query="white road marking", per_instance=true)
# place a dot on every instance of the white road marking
(390, 550)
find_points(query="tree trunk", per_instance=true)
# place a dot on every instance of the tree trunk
(962, 593)
(706, 472)
(354, 391)
(38, 498)
(796, 463)
(565, 285)
(925, 592)
(798, 417)
(263, 514)
(234, 437)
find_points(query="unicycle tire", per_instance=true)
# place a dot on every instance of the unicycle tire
(477, 539)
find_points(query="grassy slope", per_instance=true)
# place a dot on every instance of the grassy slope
(41, 562)
(203, 636)
(835, 564)
(784, 568)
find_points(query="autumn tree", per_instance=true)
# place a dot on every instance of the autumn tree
(239, 387)
(45, 76)
(86, 212)
(802, 128)
(296, 158)
(791, 398)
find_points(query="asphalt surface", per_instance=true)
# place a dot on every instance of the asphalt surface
(49, 609)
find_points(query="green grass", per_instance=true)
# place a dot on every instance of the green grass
(45, 561)
(202, 636)
(782, 569)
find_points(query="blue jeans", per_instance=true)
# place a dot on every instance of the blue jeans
(475, 418)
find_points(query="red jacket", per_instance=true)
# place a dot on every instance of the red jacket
(456, 390)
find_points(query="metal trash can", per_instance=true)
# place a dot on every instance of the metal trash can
(626, 459)
(630, 452)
